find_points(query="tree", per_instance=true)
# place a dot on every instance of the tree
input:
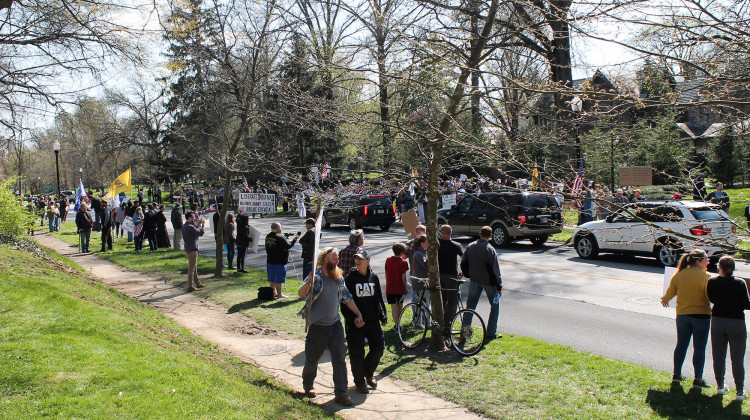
(724, 158)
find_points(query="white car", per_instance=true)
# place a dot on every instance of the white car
(674, 227)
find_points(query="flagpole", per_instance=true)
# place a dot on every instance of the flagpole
(315, 262)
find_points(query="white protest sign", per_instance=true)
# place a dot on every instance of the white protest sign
(463, 177)
(257, 203)
(449, 200)
(669, 272)
(127, 224)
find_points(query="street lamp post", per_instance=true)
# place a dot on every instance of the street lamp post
(56, 148)
(576, 105)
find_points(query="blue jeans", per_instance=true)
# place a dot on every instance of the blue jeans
(475, 291)
(307, 267)
(697, 328)
(51, 224)
(230, 254)
(318, 339)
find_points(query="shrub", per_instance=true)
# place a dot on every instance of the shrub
(15, 218)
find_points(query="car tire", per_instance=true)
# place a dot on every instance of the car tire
(667, 255)
(539, 240)
(586, 246)
(385, 228)
(500, 236)
(326, 222)
(353, 223)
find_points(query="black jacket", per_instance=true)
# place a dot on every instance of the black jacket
(84, 222)
(149, 220)
(365, 290)
(106, 217)
(307, 241)
(176, 218)
(243, 231)
(277, 248)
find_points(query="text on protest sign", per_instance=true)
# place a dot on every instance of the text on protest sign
(449, 200)
(257, 203)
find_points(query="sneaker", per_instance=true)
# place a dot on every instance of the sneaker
(740, 396)
(344, 400)
(678, 378)
(362, 388)
(720, 390)
(699, 383)
(371, 382)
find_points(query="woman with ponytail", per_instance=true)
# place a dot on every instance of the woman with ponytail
(693, 313)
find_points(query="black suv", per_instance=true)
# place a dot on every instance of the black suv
(511, 215)
(358, 211)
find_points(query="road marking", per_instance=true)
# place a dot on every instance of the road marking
(596, 276)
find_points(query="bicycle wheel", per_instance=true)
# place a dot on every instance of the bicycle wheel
(412, 325)
(468, 339)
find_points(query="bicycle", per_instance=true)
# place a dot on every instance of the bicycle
(415, 319)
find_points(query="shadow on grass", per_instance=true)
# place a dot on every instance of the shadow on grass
(676, 403)
(257, 303)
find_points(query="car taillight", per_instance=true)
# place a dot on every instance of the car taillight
(365, 210)
(522, 218)
(700, 230)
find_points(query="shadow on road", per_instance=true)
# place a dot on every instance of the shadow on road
(675, 403)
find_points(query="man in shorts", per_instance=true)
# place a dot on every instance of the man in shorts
(277, 256)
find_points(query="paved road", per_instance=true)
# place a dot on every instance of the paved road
(609, 306)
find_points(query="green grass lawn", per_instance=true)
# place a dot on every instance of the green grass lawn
(513, 377)
(71, 347)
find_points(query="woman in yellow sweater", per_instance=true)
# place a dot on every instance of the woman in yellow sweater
(693, 312)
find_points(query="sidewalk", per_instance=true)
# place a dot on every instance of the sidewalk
(276, 353)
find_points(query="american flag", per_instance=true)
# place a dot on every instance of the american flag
(577, 186)
(244, 184)
(361, 189)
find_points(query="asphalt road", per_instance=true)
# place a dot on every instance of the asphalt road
(608, 306)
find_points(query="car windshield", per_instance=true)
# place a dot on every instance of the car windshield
(380, 200)
(707, 213)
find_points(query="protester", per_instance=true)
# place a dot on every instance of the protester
(420, 270)
(693, 312)
(138, 232)
(308, 247)
(480, 265)
(448, 253)
(84, 225)
(277, 256)
(229, 239)
(325, 330)
(130, 212)
(638, 196)
(63, 209)
(730, 298)
(699, 187)
(177, 226)
(747, 214)
(242, 239)
(106, 225)
(119, 219)
(191, 231)
(364, 285)
(620, 198)
(396, 268)
(346, 256)
(719, 197)
(149, 225)
(96, 205)
(162, 236)
(51, 218)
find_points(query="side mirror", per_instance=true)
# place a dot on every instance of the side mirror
(610, 218)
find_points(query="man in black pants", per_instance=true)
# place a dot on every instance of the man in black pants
(447, 253)
(243, 239)
(364, 286)
(149, 225)
(106, 226)
(308, 247)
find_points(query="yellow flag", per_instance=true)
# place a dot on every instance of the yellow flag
(535, 176)
(122, 183)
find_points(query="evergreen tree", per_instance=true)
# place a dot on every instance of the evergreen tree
(724, 160)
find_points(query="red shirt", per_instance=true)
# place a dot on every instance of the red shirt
(395, 267)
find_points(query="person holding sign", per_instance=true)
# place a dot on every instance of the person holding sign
(326, 331)
(693, 312)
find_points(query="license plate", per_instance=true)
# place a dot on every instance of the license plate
(380, 211)
(542, 220)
